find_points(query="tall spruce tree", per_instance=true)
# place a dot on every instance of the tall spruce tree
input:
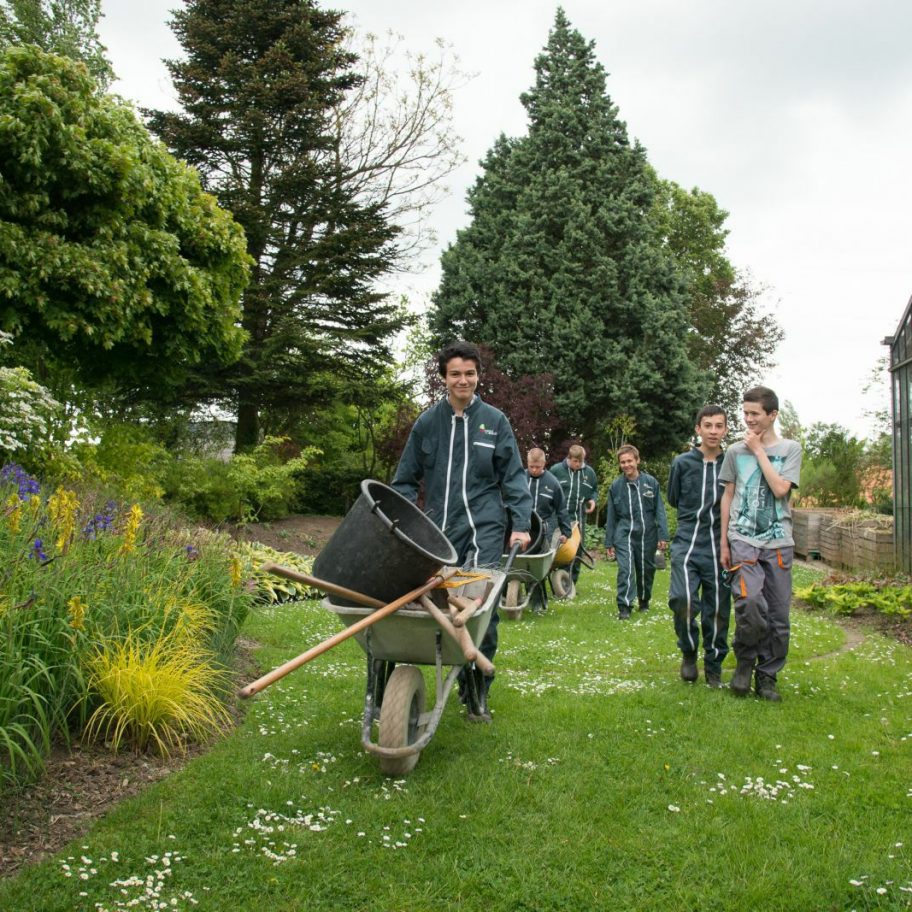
(561, 269)
(259, 87)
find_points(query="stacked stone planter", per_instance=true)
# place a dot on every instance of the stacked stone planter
(831, 542)
(842, 539)
(807, 528)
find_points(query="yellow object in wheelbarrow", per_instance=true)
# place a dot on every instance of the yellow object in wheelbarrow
(567, 551)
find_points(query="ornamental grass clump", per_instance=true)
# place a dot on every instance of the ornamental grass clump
(155, 695)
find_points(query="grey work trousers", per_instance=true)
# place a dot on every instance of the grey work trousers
(761, 586)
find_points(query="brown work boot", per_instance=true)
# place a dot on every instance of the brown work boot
(713, 679)
(741, 680)
(689, 667)
(766, 688)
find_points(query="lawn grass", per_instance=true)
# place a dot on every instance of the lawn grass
(604, 783)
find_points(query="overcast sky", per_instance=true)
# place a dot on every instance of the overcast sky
(795, 114)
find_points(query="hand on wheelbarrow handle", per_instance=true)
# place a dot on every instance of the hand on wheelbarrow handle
(510, 558)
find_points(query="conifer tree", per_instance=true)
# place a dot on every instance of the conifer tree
(562, 270)
(259, 87)
(732, 337)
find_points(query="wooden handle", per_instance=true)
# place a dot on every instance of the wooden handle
(322, 585)
(461, 636)
(466, 607)
(378, 615)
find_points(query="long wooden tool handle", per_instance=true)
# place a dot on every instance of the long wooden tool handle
(322, 585)
(378, 615)
(465, 608)
(461, 636)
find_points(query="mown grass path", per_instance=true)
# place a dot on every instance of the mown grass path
(604, 783)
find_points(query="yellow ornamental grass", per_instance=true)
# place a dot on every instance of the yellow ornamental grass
(155, 694)
(131, 528)
(192, 618)
(63, 506)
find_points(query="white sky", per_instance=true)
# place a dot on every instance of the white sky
(795, 114)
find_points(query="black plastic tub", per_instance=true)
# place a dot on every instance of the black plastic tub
(384, 547)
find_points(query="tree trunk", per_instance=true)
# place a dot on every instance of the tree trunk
(247, 434)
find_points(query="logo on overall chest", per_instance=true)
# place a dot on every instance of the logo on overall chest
(488, 432)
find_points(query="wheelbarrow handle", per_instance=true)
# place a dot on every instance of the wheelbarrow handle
(322, 585)
(510, 558)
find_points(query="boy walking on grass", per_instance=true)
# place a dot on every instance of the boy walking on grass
(699, 596)
(757, 544)
(464, 452)
(634, 527)
(580, 487)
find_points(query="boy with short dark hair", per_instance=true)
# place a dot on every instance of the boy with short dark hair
(699, 595)
(465, 452)
(757, 544)
(634, 527)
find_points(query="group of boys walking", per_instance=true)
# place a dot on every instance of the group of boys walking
(733, 533)
(733, 537)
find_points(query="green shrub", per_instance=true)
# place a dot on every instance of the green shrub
(258, 486)
(329, 488)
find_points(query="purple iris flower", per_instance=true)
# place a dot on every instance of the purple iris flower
(37, 551)
(15, 474)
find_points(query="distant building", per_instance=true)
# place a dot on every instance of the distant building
(901, 375)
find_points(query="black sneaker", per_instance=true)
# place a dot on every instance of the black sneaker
(713, 679)
(689, 667)
(766, 688)
(624, 614)
(644, 606)
(741, 681)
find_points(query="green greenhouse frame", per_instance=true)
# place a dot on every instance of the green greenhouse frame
(901, 385)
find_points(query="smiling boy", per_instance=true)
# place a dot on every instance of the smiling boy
(698, 595)
(465, 453)
(757, 544)
(634, 527)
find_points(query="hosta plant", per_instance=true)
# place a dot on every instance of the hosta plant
(266, 586)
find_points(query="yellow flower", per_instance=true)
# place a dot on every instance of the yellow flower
(131, 528)
(14, 512)
(76, 610)
(237, 571)
(62, 508)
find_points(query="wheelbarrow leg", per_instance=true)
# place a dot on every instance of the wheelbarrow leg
(538, 598)
(378, 673)
(476, 695)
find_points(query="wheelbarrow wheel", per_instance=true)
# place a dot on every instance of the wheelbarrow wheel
(510, 603)
(403, 704)
(561, 584)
